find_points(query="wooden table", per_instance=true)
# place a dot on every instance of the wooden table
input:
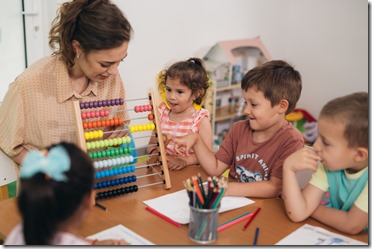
(129, 210)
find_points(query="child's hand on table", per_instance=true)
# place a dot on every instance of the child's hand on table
(109, 242)
(176, 163)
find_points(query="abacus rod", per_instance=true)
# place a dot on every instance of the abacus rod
(153, 164)
(127, 100)
(137, 157)
(140, 167)
(157, 172)
(126, 129)
(145, 146)
(129, 119)
(142, 176)
(150, 184)
(126, 110)
(154, 135)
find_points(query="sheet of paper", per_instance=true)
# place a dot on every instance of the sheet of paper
(176, 205)
(312, 235)
(121, 232)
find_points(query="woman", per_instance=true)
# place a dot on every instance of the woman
(90, 38)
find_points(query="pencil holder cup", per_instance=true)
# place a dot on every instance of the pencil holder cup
(203, 225)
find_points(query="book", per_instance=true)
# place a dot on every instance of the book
(176, 205)
(313, 235)
(121, 232)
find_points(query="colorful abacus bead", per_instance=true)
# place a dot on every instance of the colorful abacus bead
(143, 108)
(116, 192)
(113, 162)
(101, 103)
(115, 182)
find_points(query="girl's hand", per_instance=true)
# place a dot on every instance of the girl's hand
(305, 158)
(176, 163)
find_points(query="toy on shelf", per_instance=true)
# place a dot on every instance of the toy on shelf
(226, 62)
(305, 123)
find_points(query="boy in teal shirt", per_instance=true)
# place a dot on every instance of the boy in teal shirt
(342, 149)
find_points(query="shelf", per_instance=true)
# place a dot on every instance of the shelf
(226, 88)
(228, 62)
(223, 113)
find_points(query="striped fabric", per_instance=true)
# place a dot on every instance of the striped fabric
(179, 128)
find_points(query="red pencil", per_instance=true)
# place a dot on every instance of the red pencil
(163, 216)
(233, 221)
(251, 219)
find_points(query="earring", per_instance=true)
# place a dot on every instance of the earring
(77, 56)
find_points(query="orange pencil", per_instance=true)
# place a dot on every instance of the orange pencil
(233, 221)
(198, 192)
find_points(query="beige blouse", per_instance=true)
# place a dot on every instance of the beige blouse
(37, 109)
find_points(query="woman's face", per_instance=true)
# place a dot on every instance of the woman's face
(98, 65)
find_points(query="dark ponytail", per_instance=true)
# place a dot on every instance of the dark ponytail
(192, 73)
(45, 203)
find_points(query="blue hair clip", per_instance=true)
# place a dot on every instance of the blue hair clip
(54, 164)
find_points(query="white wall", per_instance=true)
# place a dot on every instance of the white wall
(326, 40)
(12, 54)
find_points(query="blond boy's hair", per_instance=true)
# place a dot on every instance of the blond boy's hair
(351, 111)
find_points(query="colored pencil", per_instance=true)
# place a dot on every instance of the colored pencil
(256, 236)
(218, 199)
(101, 206)
(163, 216)
(197, 188)
(233, 221)
(206, 195)
(251, 219)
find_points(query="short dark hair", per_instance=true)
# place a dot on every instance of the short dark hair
(351, 111)
(278, 80)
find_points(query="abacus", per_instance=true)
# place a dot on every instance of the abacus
(112, 157)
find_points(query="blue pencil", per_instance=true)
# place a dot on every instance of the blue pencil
(256, 236)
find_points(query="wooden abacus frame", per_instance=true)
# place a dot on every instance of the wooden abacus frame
(161, 158)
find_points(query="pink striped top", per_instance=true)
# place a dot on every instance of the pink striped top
(179, 128)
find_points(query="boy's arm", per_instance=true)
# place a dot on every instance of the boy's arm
(351, 222)
(205, 132)
(299, 203)
(205, 156)
(262, 189)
